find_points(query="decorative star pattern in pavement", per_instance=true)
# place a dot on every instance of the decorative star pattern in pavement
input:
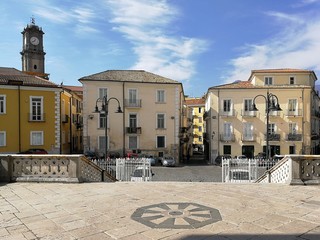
(176, 215)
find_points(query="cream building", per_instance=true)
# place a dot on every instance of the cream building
(152, 116)
(233, 128)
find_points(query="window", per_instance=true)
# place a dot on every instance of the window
(200, 139)
(102, 144)
(271, 128)
(200, 129)
(227, 105)
(103, 92)
(2, 104)
(133, 142)
(248, 131)
(161, 141)
(132, 96)
(160, 96)
(227, 131)
(2, 138)
(36, 138)
(247, 105)
(160, 120)
(292, 128)
(36, 108)
(200, 110)
(102, 120)
(133, 120)
(226, 149)
(268, 81)
(292, 105)
(200, 119)
(291, 81)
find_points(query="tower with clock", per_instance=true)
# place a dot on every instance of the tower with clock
(32, 50)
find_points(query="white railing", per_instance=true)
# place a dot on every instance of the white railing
(239, 170)
(127, 169)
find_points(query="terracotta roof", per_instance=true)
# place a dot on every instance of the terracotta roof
(128, 76)
(74, 88)
(195, 101)
(12, 76)
(237, 84)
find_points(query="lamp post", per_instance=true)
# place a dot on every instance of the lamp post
(272, 104)
(105, 109)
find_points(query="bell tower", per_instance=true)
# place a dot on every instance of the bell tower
(32, 50)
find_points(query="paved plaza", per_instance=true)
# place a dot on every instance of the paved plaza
(159, 210)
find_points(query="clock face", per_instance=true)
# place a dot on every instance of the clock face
(34, 40)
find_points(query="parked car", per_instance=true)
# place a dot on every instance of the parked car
(132, 155)
(168, 161)
(141, 174)
(260, 155)
(151, 158)
(219, 158)
(94, 155)
(34, 151)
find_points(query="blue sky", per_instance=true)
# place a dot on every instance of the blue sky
(201, 43)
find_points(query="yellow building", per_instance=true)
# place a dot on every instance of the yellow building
(29, 112)
(198, 124)
(234, 128)
(151, 121)
(71, 119)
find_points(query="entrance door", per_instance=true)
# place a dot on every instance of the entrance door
(248, 151)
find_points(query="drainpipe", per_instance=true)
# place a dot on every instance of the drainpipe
(123, 123)
(70, 125)
(19, 117)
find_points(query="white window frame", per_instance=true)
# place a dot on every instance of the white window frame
(136, 120)
(133, 96)
(248, 131)
(161, 96)
(164, 121)
(293, 105)
(293, 128)
(41, 114)
(268, 80)
(3, 138)
(102, 92)
(34, 142)
(3, 103)
(227, 131)
(165, 141)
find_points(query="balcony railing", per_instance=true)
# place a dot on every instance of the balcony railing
(273, 137)
(230, 113)
(227, 138)
(248, 138)
(248, 113)
(294, 113)
(65, 118)
(294, 137)
(133, 130)
(133, 103)
(36, 117)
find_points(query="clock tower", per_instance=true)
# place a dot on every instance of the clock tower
(32, 50)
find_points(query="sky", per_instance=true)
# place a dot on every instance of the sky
(201, 43)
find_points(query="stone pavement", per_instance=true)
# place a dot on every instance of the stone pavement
(159, 210)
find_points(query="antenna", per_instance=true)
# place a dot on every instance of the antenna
(33, 21)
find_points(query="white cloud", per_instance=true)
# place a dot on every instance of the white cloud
(145, 24)
(295, 47)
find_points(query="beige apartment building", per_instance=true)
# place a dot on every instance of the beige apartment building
(234, 128)
(152, 118)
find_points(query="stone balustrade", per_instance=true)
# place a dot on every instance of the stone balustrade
(50, 168)
(294, 170)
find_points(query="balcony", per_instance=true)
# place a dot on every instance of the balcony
(272, 137)
(248, 138)
(248, 113)
(294, 113)
(65, 118)
(206, 115)
(132, 103)
(227, 138)
(274, 113)
(133, 130)
(294, 137)
(36, 117)
(231, 113)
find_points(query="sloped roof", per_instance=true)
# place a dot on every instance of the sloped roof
(11, 76)
(74, 88)
(282, 70)
(195, 101)
(128, 76)
(237, 84)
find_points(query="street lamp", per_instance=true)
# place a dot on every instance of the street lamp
(105, 109)
(272, 104)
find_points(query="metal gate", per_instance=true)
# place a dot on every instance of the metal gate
(239, 170)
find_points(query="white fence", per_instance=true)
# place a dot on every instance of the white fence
(239, 170)
(127, 169)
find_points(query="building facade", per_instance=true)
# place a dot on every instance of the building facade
(234, 128)
(29, 112)
(152, 117)
(197, 106)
